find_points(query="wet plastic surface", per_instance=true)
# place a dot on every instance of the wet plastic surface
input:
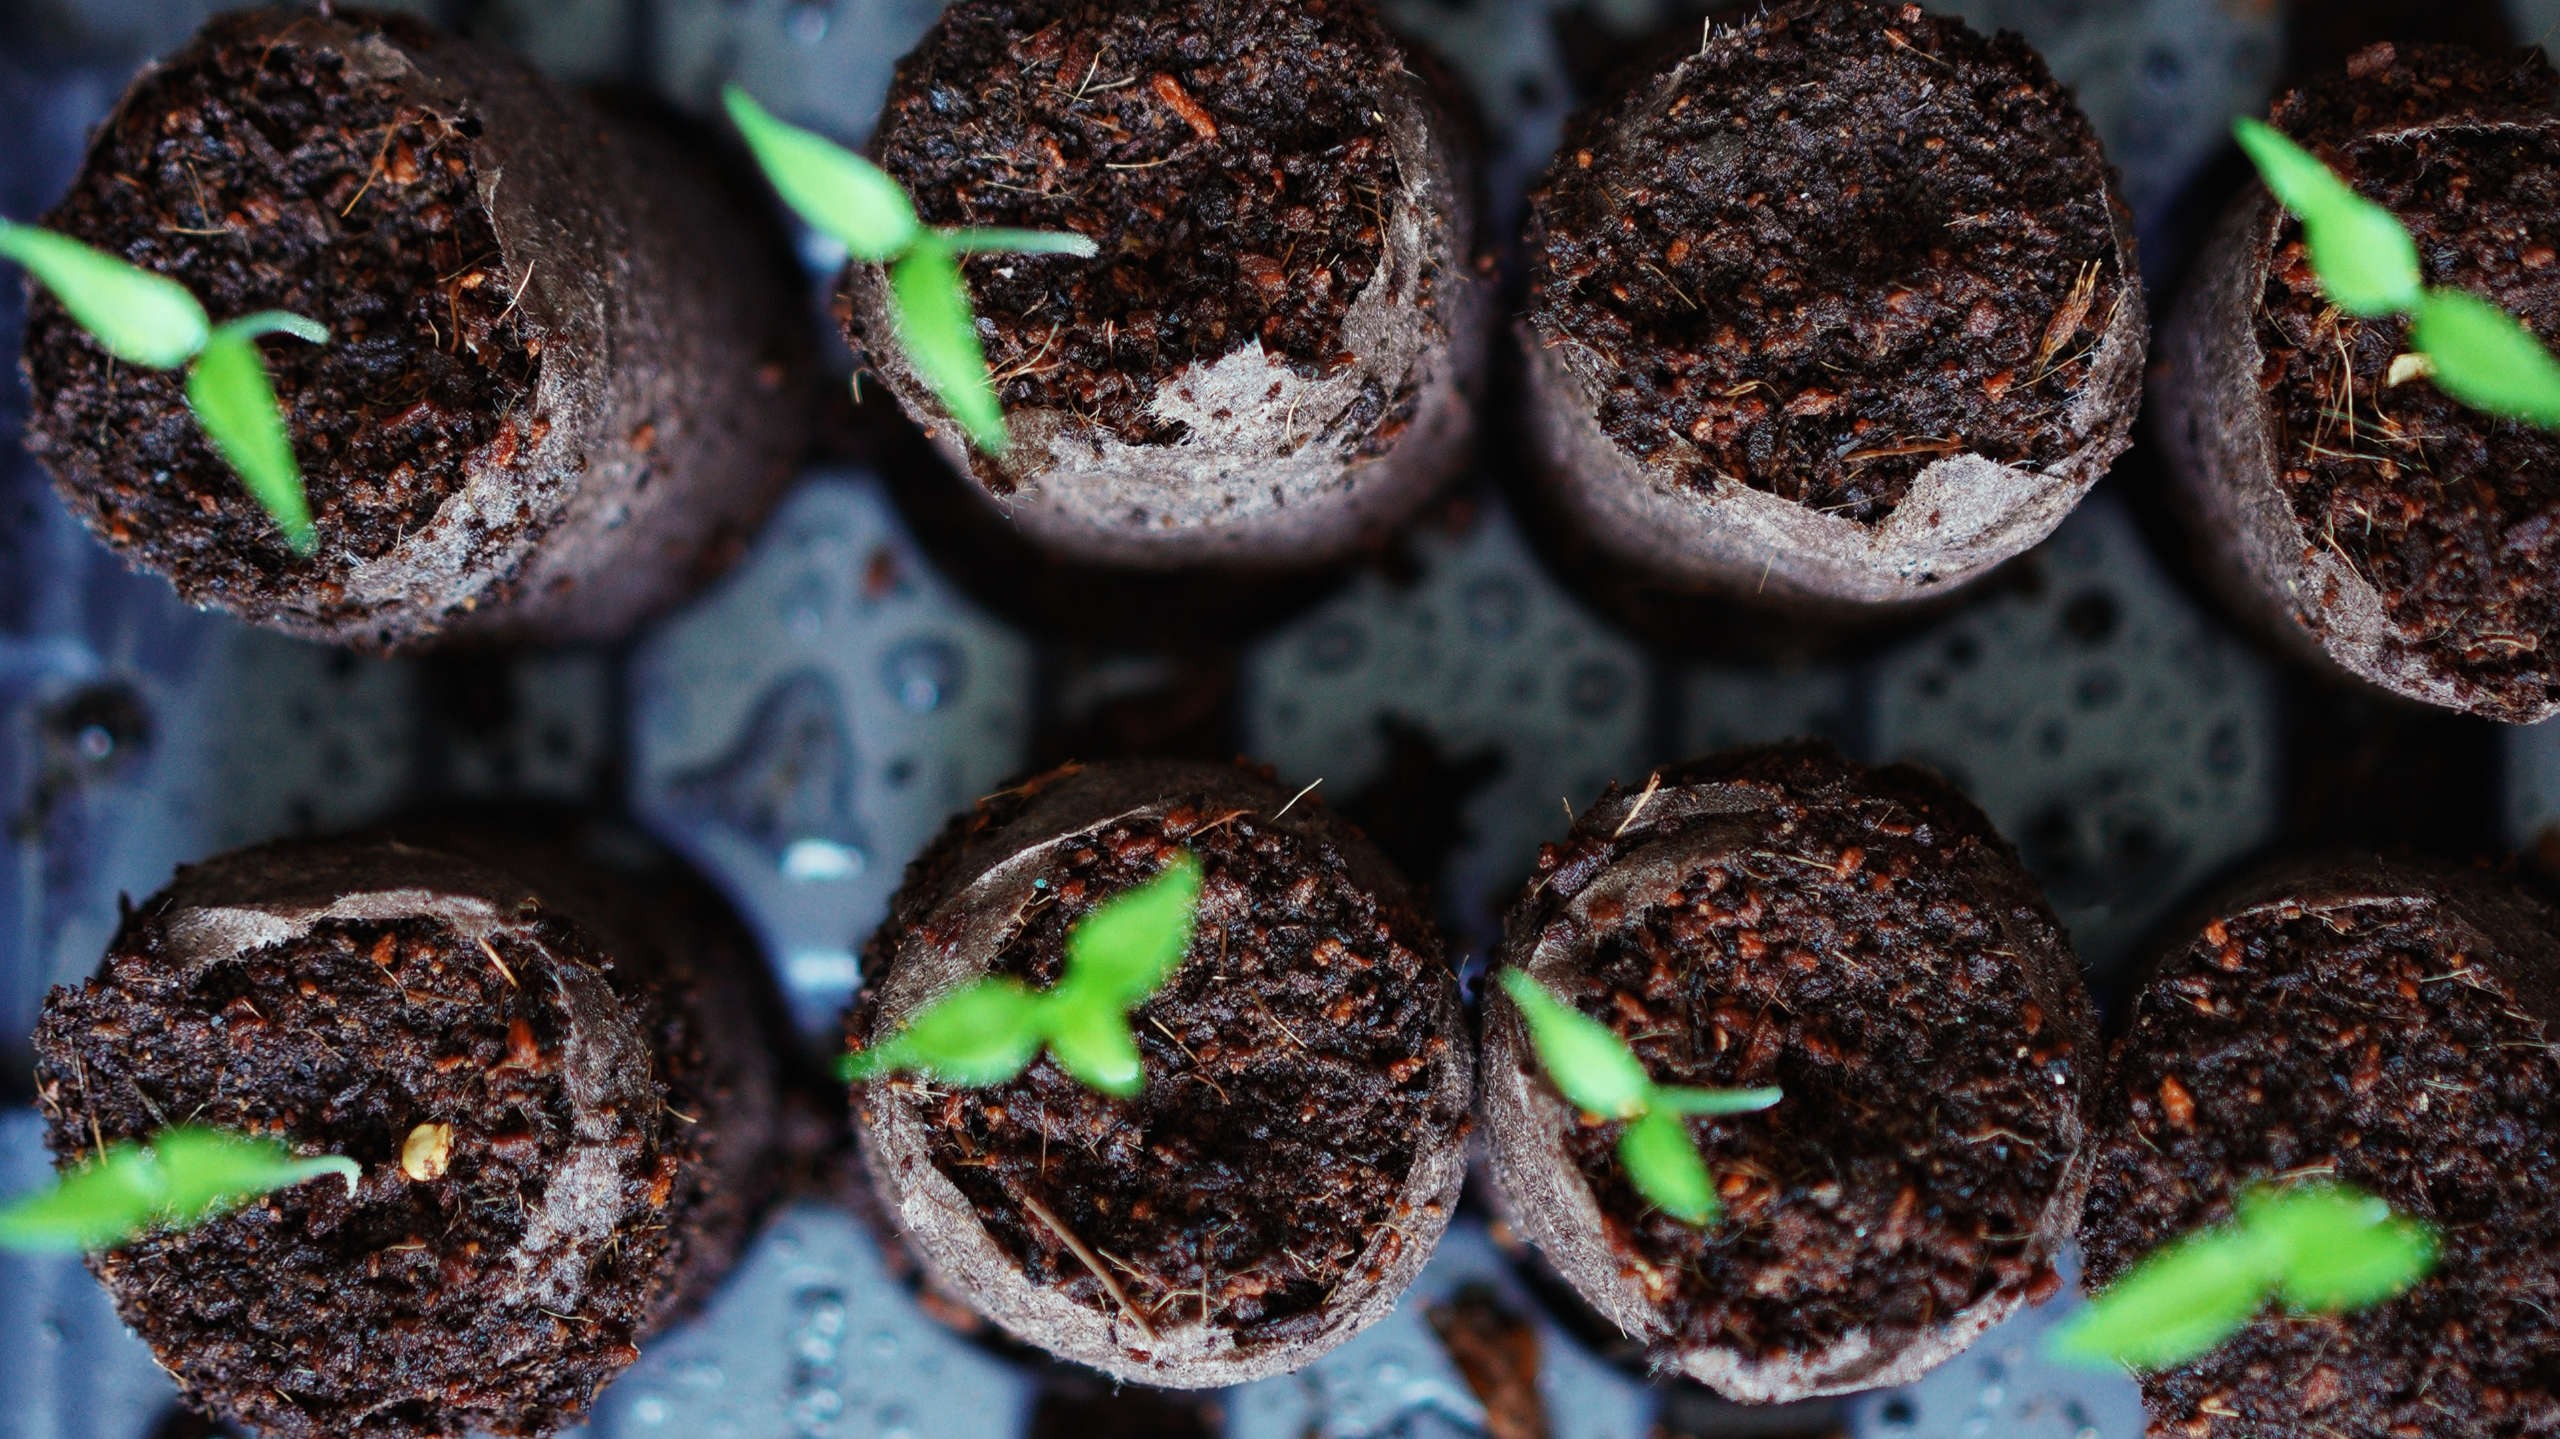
(801, 730)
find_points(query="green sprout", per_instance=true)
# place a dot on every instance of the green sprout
(988, 1031)
(150, 320)
(178, 1178)
(1598, 1074)
(2320, 1248)
(856, 203)
(2367, 265)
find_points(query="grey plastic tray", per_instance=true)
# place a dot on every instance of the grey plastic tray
(800, 731)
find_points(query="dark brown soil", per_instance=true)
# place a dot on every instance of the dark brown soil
(2453, 516)
(1855, 240)
(1288, 1064)
(1230, 161)
(260, 176)
(2371, 1042)
(1929, 1116)
(428, 1304)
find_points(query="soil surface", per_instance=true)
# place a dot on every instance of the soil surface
(2372, 1042)
(1846, 242)
(2452, 515)
(259, 175)
(1843, 959)
(1230, 161)
(445, 1297)
(1290, 1069)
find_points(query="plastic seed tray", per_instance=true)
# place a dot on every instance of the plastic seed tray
(803, 727)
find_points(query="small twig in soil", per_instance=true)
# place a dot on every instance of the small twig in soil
(504, 973)
(1652, 786)
(1091, 1261)
(1302, 794)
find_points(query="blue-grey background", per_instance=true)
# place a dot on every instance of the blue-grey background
(804, 726)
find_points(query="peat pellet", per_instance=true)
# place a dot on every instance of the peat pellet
(1839, 310)
(1300, 1142)
(558, 1091)
(560, 384)
(1271, 360)
(2390, 1025)
(2353, 510)
(1862, 940)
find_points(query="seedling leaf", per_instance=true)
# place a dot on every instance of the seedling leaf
(2366, 262)
(1093, 1042)
(139, 317)
(1020, 242)
(931, 303)
(1665, 1164)
(838, 192)
(181, 1177)
(2174, 1305)
(227, 387)
(1590, 1065)
(2485, 358)
(1677, 1099)
(1131, 943)
(979, 1034)
(275, 322)
(2342, 1248)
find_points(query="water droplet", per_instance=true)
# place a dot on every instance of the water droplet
(804, 610)
(896, 1422)
(883, 1343)
(1335, 646)
(1495, 608)
(649, 1410)
(809, 21)
(820, 861)
(923, 674)
(698, 1374)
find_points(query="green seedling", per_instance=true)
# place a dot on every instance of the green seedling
(857, 204)
(988, 1031)
(2319, 1248)
(178, 1178)
(2367, 265)
(1598, 1074)
(151, 321)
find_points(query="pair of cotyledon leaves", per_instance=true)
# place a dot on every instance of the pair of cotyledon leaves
(150, 320)
(1598, 1074)
(2316, 1248)
(2367, 265)
(857, 204)
(180, 1177)
(989, 1030)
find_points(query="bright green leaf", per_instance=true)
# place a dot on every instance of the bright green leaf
(97, 1206)
(1591, 1066)
(207, 1170)
(940, 333)
(838, 192)
(1133, 942)
(275, 322)
(139, 317)
(2365, 260)
(228, 389)
(979, 1034)
(1676, 1099)
(2486, 359)
(2341, 1247)
(1020, 242)
(1092, 1041)
(2174, 1305)
(181, 1177)
(1665, 1164)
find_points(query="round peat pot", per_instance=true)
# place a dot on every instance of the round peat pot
(1300, 1140)
(2414, 545)
(1272, 359)
(560, 383)
(1862, 940)
(561, 1106)
(2391, 1025)
(1839, 311)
